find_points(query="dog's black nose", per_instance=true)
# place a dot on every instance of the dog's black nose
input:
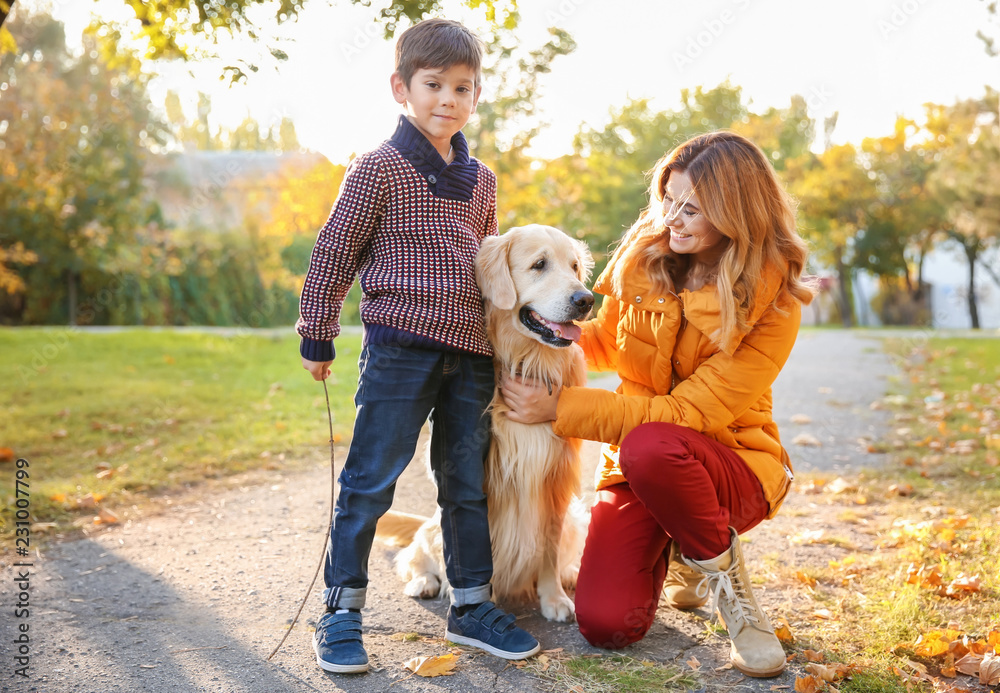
(584, 300)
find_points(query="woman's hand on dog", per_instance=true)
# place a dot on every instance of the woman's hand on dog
(529, 400)
(320, 369)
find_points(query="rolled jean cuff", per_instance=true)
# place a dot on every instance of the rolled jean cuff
(345, 597)
(471, 595)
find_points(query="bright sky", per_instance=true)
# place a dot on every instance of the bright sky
(871, 60)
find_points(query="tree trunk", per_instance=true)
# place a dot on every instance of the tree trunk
(844, 291)
(71, 295)
(971, 252)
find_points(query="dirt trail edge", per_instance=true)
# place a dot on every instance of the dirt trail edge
(196, 597)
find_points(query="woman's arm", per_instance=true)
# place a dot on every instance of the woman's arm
(721, 389)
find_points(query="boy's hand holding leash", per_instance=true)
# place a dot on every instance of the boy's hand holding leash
(320, 369)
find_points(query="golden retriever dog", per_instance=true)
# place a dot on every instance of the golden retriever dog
(532, 279)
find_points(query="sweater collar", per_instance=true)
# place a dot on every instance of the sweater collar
(454, 181)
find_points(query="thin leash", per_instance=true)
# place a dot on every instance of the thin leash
(329, 528)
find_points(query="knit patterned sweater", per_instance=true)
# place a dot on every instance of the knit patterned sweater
(409, 226)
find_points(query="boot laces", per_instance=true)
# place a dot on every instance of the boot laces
(728, 587)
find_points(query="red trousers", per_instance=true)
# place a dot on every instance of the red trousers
(682, 486)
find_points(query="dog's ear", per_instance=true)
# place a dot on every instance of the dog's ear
(493, 272)
(586, 259)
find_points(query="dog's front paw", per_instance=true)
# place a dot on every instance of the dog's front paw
(424, 586)
(558, 607)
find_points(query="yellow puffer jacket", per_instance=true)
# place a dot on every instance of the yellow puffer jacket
(672, 371)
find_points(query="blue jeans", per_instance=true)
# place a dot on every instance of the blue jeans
(398, 388)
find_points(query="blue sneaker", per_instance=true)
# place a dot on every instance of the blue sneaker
(490, 629)
(338, 645)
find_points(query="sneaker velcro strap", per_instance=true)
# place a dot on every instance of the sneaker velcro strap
(492, 618)
(342, 628)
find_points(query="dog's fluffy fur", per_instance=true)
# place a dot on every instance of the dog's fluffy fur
(532, 282)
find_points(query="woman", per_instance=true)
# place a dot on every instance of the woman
(703, 301)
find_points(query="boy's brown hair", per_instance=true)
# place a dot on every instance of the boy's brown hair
(437, 43)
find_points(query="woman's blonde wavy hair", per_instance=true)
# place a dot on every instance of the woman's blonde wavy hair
(740, 195)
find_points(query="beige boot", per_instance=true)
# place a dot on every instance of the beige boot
(755, 648)
(682, 588)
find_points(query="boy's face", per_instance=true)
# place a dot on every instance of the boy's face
(438, 101)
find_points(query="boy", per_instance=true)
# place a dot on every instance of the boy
(409, 220)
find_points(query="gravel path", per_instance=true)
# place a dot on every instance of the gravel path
(195, 597)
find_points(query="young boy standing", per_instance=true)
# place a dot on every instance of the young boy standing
(409, 220)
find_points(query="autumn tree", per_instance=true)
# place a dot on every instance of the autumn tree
(197, 133)
(784, 134)
(182, 29)
(906, 220)
(507, 122)
(967, 177)
(608, 186)
(75, 131)
(835, 194)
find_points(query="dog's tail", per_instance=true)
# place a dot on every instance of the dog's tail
(398, 529)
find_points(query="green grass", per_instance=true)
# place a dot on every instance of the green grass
(613, 674)
(873, 681)
(158, 410)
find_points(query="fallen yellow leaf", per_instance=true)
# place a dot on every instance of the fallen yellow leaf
(805, 579)
(828, 672)
(105, 517)
(438, 665)
(931, 647)
(783, 631)
(807, 684)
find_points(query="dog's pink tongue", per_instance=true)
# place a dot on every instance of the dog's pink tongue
(566, 330)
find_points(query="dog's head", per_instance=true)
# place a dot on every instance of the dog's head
(536, 274)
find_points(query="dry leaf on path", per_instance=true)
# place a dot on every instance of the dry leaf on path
(693, 663)
(989, 670)
(801, 419)
(931, 647)
(807, 580)
(783, 631)
(807, 439)
(809, 536)
(840, 485)
(828, 672)
(962, 586)
(807, 684)
(105, 517)
(969, 664)
(438, 665)
(89, 501)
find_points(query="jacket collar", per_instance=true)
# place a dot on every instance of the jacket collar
(454, 181)
(701, 308)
